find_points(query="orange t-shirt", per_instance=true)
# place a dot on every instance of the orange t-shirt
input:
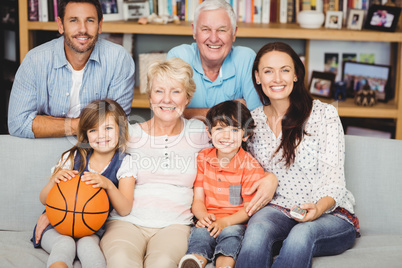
(224, 188)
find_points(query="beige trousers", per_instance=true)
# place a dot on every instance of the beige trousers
(127, 245)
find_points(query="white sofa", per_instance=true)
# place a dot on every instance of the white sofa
(373, 174)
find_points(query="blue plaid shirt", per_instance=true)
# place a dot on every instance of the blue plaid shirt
(43, 82)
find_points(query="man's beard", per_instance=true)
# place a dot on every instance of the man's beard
(90, 46)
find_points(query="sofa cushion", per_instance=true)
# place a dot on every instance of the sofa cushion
(17, 251)
(373, 170)
(369, 251)
(25, 169)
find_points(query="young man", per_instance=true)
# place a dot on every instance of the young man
(225, 172)
(57, 79)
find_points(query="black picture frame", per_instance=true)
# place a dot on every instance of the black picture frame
(382, 18)
(357, 74)
(322, 84)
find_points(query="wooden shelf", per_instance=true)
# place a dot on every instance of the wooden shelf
(392, 109)
(348, 108)
(260, 30)
(140, 100)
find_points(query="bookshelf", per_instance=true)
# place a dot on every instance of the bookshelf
(390, 110)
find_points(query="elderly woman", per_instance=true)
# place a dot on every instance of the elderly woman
(221, 70)
(164, 149)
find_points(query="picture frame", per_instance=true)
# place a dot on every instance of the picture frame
(333, 19)
(357, 74)
(133, 10)
(382, 18)
(321, 84)
(112, 10)
(355, 19)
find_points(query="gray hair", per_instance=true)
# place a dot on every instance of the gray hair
(215, 5)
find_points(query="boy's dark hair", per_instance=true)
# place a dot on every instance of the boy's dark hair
(61, 7)
(231, 113)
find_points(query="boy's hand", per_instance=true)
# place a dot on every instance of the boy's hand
(64, 175)
(217, 226)
(206, 221)
(96, 180)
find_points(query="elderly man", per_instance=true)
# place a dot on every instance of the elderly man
(221, 71)
(59, 78)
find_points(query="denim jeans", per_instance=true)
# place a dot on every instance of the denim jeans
(270, 232)
(227, 243)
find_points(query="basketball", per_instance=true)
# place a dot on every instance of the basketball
(77, 209)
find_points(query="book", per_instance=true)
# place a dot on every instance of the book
(55, 6)
(43, 12)
(265, 11)
(241, 16)
(50, 10)
(33, 10)
(257, 11)
(273, 14)
(283, 11)
(306, 4)
(290, 11)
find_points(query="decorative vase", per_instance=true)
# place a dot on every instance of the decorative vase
(310, 19)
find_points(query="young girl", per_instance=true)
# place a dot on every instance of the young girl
(99, 154)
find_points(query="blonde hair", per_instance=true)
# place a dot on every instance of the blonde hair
(94, 114)
(175, 69)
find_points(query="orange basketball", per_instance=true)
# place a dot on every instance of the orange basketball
(77, 209)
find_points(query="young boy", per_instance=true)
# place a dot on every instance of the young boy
(224, 173)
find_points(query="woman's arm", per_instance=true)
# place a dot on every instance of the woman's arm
(265, 188)
(314, 211)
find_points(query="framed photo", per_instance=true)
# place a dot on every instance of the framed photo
(135, 10)
(334, 19)
(355, 19)
(112, 9)
(358, 74)
(321, 84)
(382, 18)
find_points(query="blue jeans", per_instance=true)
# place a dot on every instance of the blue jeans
(270, 232)
(227, 243)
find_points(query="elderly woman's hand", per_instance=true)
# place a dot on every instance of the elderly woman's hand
(265, 188)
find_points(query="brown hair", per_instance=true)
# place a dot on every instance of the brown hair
(61, 7)
(231, 113)
(301, 102)
(91, 116)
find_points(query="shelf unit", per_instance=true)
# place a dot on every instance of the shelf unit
(389, 110)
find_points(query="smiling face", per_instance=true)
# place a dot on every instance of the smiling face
(80, 27)
(276, 73)
(168, 99)
(227, 140)
(214, 36)
(104, 138)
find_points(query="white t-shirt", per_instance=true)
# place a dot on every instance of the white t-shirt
(75, 106)
(165, 168)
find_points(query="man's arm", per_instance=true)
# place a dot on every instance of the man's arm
(48, 126)
(22, 107)
(122, 87)
(197, 113)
